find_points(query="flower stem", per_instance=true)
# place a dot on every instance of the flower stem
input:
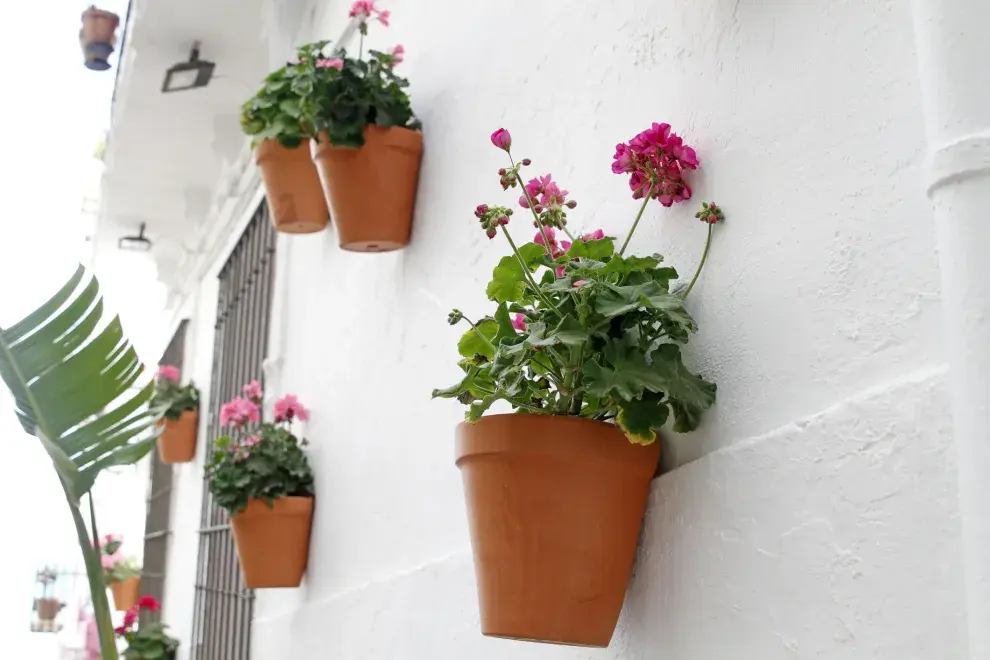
(569, 235)
(526, 273)
(701, 264)
(646, 200)
(480, 334)
(532, 207)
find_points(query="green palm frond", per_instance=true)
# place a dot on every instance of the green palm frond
(73, 378)
(65, 370)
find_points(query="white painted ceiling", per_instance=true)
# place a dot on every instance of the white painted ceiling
(166, 152)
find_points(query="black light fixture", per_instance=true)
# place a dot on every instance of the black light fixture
(139, 243)
(188, 75)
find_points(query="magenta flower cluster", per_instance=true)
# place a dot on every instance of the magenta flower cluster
(367, 9)
(247, 409)
(168, 372)
(656, 160)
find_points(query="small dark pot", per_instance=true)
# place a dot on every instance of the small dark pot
(97, 55)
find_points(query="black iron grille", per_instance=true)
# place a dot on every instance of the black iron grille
(222, 613)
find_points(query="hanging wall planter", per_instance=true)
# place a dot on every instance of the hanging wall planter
(264, 481)
(177, 443)
(273, 542)
(125, 593)
(584, 344)
(178, 406)
(97, 37)
(372, 189)
(47, 609)
(292, 187)
(554, 505)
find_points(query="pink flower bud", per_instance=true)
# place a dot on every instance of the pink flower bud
(527, 162)
(490, 232)
(502, 139)
(501, 171)
(571, 204)
(481, 210)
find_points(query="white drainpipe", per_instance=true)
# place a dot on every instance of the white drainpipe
(953, 51)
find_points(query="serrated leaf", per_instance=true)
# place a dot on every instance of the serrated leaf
(505, 327)
(689, 394)
(479, 340)
(618, 300)
(508, 278)
(596, 249)
(570, 332)
(639, 418)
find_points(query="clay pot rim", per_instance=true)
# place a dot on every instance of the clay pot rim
(289, 505)
(390, 136)
(95, 13)
(600, 440)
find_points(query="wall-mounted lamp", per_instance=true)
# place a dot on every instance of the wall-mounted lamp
(139, 243)
(188, 75)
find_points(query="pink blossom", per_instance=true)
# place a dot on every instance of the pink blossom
(130, 616)
(253, 391)
(330, 64)
(580, 283)
(656, 160)
(553, 196)
(288, 407)
(398, 55)
(109, 561)
(168, 372)
(502, 139)
(147, 602)
(251, 441)
(383, 17)
(239, 412)
(519, 322)
(596, 235)
(362, 7)
(551, 236)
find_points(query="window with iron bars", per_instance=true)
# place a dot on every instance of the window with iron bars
(156, 523)
(223, 608)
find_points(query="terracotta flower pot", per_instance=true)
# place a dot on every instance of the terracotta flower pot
(125, 594)
(372, 190)
(47, 608)
(555, 506)
(177, 443)
(97, 37)
(273, 543)
(292, 187)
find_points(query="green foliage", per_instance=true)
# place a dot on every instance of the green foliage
(121, 571)
(274, 112)
(150, 642)
(171, 399)
(601, 342)
(268, 465)
(343, 101)
(73, 375)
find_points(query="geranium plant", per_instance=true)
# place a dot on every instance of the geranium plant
(171, 397)
(258, 459)
(116, 567)
(582, 328)
(149, 641)
(340, 95)
(274, 112)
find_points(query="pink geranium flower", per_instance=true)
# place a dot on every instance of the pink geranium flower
(656, 160)
(330, 64)
(168, 372)
(502, 139)
(253, 391)
(519, 322)
(239, 412)
(398, 55)
(288, 408)
(383, 17)
(109, 561)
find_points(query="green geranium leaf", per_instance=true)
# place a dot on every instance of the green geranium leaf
(570, 332)
(639, 418)
(619, 265)
(505, 328)
(479, 340)
(597, 249)
(624, 375)
(508, 279)
(689, 394)
(478, 409)
(619, 300)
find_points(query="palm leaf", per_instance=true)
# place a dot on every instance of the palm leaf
(73, 377)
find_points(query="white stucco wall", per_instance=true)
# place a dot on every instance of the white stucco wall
(814, 514)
